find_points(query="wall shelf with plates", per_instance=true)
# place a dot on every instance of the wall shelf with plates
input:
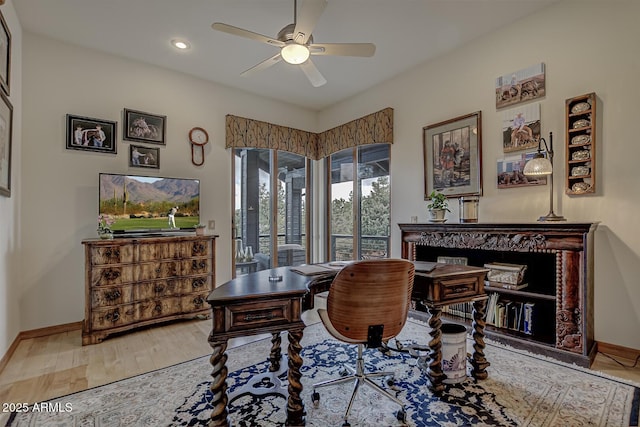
(581, 144)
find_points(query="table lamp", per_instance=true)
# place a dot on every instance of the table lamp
(541, 165)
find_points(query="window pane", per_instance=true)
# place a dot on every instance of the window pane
(375, 201)
(291, 209)
(342, 165)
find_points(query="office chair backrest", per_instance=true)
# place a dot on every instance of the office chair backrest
(368, 293)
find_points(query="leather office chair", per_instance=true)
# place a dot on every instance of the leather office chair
(368, 303)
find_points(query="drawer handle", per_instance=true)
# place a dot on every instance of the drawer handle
(159, 288)
(265, 316)
(197, 283)
(460, 289)
(111, 274)
(198, 301)
(198, 248)
(158, 308)
(113, 317)
(110, 296)
(112, 253)
(197, 265)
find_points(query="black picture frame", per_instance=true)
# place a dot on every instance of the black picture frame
(144, 157)
(6, 131)
(144, 127)
(5, 55)
(90, 134)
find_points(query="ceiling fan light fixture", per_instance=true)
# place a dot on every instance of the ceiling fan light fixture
(295, 53)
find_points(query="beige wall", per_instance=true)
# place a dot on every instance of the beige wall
(587, 46)
(10, 206)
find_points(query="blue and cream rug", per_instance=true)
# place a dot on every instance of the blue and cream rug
(522, 390)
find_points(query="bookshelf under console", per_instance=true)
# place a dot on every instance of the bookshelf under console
(140, 281)
(559, 277)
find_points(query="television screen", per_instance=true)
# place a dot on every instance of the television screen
(144, 203)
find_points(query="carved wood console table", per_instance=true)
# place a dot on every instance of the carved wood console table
(559, 277)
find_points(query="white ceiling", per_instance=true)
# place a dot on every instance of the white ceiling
(405, 32)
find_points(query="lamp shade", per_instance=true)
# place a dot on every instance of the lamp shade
(294, 53)
(538, 166)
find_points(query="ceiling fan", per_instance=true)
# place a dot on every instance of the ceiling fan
(296, 42)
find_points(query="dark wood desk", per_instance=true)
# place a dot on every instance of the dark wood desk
(253, 304)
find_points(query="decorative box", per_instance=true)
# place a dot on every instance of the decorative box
(512, 274)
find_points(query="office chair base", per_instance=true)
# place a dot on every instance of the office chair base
(358, 376)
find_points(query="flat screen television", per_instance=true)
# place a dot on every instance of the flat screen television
(141, 204)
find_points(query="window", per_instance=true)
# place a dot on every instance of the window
(270, 209)
(359, 203)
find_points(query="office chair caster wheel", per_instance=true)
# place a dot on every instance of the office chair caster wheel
(346, 424)
(389, 381)
(344, 372)
(315, 398)
(401, 416)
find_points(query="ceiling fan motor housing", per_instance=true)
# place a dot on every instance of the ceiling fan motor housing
(286, 34)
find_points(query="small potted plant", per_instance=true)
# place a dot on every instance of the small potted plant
(438, 206)
(104, 227)
(200, 229)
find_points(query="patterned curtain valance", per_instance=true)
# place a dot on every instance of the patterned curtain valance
(371, 129)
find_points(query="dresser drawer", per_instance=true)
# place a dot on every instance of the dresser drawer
(194, 302)
(195, 266)
(114, 317)
(159, 270)
(157, 288)
(159, 307)
(116, 254)
(104, 296)
(258, 314)
(112, 275)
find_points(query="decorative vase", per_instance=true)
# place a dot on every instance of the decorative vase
(105, 235)
(248, 254)
(239, 251)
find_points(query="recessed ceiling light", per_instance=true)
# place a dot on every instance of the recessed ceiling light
(180, 44)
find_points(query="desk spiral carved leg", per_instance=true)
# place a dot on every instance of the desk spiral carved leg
(218, 359)
(434, 368)
(276, 353)
(479, 363)
(295, 407)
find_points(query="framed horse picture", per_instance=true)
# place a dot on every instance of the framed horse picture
(89, 134)
(144, 127)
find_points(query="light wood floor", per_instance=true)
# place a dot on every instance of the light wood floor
(48, 367)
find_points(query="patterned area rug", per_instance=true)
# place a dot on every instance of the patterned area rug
(522, 390)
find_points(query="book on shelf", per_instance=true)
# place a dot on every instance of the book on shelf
(502, 285)
(528, 317)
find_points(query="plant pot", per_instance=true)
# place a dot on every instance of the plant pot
(200, 231)
(437, 215)
(106, 236)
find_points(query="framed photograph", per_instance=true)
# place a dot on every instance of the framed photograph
(89, 134)
(521, 128)
(144, 157)
(520, 86)
(5, 55)
(144, 127)
(6, 126)
(509, 172)
(453, 156)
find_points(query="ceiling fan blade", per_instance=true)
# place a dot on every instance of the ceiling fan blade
(263, 65)
(230, 29)
(343, 49)
(312, 73)
(307, 19)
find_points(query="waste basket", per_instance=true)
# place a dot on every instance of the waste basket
(454, 352)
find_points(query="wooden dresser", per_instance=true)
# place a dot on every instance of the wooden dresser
(133, 282)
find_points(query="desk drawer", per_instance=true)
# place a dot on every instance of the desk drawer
(445, 289)
(258, 314)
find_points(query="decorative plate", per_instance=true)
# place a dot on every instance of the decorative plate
(581, 139)
(579, 170)
(580, 187)
(580, 107)
(581, 155)
(582, 123)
